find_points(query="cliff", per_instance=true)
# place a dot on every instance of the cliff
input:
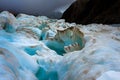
(93, 11)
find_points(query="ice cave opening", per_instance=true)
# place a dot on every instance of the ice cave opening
(66, 40)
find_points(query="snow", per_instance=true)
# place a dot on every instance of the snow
(110, 75)
(23, 56)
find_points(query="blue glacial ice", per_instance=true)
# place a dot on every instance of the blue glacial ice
(25, 56)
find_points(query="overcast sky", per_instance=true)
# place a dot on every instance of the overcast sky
(50, 8)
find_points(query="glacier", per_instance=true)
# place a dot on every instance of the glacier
(89, 52)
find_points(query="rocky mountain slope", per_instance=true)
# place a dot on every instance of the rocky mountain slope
(93, 11)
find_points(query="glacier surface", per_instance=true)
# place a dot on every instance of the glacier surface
(25, 56)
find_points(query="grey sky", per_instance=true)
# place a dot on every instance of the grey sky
(50, 8)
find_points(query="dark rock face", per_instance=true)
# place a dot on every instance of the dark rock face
(93, 11)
